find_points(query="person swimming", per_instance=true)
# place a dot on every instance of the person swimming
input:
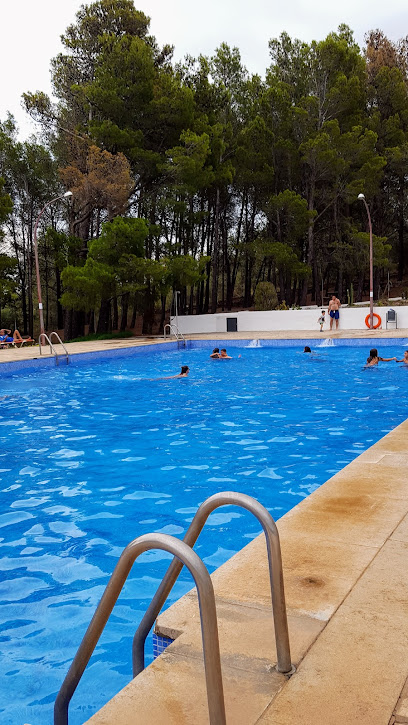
(374, 358)
(215, 353)
(307, 349)
(405, 358)
(183, 374)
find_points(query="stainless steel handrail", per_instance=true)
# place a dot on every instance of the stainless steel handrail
(61, 343)
(226, 498)
(176, 332)
(52, 349)
(209, 629)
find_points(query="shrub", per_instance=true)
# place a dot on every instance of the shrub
(265, 296)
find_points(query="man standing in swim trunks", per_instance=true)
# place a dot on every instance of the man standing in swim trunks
(334, 307)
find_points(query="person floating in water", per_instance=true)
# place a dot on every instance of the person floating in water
(405, 358)
(183, 374)
(215, 353)
(374, 359)
(224, 355)
(307, 349)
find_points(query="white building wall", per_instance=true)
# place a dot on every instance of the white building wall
(351, 318)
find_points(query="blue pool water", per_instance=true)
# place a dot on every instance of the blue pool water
(93, 455)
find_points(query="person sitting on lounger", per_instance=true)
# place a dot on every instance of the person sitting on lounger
(18, 340)
(5, 336)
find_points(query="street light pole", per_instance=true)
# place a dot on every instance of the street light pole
(37, 266)
(370, 227)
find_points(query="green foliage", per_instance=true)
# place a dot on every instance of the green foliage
(204, 178)
(6, 204)
(104, 336)
(8, 281)
(265, 296)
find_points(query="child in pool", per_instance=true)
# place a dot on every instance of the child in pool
(373, 358)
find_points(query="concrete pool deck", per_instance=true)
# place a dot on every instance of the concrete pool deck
(344, 551)
(15, 354)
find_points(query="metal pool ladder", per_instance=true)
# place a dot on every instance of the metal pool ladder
(173, 330)
(227, 498)
(184, 555)
(208, 615)
(53, 351)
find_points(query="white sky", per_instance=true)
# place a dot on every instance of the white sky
(30, 33)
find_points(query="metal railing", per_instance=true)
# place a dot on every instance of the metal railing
(226, 498)
(209, 629)
(173, 330)
(53, 351)
(62, 345)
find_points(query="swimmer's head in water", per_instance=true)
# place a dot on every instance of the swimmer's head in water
(216, 349)
(373, 352)
(185, 369)
(307, 349)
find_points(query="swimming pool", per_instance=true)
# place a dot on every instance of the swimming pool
(93, 455)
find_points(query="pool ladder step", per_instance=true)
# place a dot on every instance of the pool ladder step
(184, 555)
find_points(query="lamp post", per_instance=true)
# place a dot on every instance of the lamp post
(37, 266)
(370, 227)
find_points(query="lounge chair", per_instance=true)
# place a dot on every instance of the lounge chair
(20, 341)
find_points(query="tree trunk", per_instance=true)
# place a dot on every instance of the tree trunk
(104, 317)
(215, 252)
(149, 310)
(115, 317)
(401, 250)
(125, 308)
(60, 315)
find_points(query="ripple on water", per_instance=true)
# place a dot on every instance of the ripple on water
(155, 452)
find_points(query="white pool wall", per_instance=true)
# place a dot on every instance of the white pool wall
(351, 318)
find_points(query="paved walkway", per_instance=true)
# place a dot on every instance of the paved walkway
(32, 353)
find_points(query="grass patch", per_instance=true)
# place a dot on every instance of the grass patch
(104, 336)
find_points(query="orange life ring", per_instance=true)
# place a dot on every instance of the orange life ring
(367, 320)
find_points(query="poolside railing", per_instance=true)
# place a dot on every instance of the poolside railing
(173, 330)
(227, 498)
(208, 615)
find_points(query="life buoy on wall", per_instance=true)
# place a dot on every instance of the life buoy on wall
(367, 320)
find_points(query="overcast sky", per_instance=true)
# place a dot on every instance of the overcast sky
(30, 33)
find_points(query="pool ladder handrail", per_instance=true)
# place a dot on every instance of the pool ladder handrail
(226, 498)
(208, 616)
(173, 329)
(52, 348)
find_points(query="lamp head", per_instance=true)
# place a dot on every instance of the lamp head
(67, 194)
(361, 197)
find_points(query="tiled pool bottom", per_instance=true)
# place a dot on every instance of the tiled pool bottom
(98, 454)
